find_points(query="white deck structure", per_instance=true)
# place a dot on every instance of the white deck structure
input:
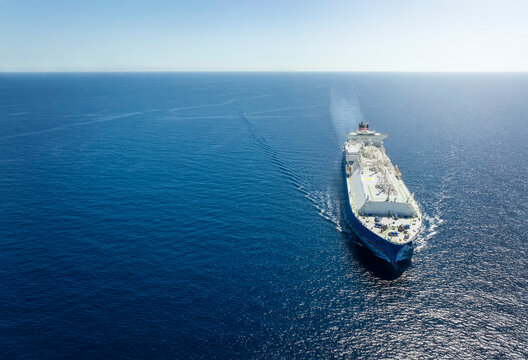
(378, 197)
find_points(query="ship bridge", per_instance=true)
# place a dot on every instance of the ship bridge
(366, 136)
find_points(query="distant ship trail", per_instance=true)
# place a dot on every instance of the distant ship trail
(58, 128)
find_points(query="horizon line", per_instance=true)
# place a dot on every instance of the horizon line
(254, 71)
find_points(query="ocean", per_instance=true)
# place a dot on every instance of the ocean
(201, 216)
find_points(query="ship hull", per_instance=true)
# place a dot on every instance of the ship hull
(381, 248)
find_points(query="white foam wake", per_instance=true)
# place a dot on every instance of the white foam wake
(430, 225)
(329, 209)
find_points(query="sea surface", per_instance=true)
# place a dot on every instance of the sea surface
(201, 216)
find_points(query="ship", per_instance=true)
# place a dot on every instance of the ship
(381, 211)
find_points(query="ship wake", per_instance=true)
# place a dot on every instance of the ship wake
(430, 225)
(323, 200)
(344, 108)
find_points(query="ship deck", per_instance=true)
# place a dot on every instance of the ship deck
(387, 226)
(374, 174)
(414, 223)
(385, 205)
(381, 183)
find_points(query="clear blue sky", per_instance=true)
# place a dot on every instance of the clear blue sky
(227, 35)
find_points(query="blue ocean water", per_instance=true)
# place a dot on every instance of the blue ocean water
(201, 216)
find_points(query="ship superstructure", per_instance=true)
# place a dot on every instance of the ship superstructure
(383, 213)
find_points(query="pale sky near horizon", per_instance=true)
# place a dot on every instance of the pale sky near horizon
(228, 35)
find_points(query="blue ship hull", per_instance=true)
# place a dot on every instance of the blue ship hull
(383, 249)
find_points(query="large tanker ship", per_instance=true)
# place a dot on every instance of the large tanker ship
(382, 211)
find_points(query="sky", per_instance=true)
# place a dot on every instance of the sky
(265, 35)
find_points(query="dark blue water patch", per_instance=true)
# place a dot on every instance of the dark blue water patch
(201, 216)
